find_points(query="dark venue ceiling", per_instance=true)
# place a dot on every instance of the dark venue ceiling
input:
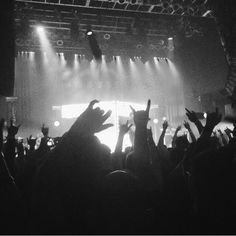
(68, 20)
(121, 23)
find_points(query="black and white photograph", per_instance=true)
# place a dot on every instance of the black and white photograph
(118, 117)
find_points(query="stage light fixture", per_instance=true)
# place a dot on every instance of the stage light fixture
(56, 123)
(89, 33)
(40, 29)
(107, 36)
(143, 59)
(155, 121)
(59, 43)
(205, 115)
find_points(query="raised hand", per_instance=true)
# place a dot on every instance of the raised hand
(228, 132)
(91, 121)
(31, 141)
(165, 125)
(12, 129)
(186, 125)
(178, 128)
(213, 119)
(124, 128)
(141, 118)
(44, 130)
(191, 115)
(20, 146)
(214, 134)
(220, 132)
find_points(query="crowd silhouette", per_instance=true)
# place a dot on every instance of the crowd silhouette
(77, 186)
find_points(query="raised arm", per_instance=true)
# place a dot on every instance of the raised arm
(161, 139)
(187, 126)
(212, 120)
(175, 136)
(193, 118)
(224, 140)
(10, 146)
(141, 119)
(124, 128)
(204, 141)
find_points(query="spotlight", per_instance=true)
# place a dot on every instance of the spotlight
(40, 29)
(144, 59)
(94, 46)
(132, 58)
(170, 38)
(89, 33)
(155, 121)
(164, 118)
(205, 115)
(56, 123)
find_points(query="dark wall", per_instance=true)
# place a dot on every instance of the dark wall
(7, 48)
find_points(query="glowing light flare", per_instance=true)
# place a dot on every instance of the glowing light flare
(155, 121)
(40, 29)
(46, 47)
(76, 61)
(45, 58)
(157, 63)
(62, 59)
(94, 71)
(56, 123)
(148, 68)
(109, 136)
(126, 142)
(134, 70)
(89, 33)
(72, 110)
(120, 67)
(104, 64)
(31, 56)
(173, 69)
(117, 108)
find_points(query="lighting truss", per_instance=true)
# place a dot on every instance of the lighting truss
(169, 7)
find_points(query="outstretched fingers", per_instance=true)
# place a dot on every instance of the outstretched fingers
(92, 103)
(148, 106)
(106, 116)
(133, 110)
(105, 126)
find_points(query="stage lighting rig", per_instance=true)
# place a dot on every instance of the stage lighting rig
(96, 51)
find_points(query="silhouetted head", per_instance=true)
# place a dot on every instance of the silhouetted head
(122, 203)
